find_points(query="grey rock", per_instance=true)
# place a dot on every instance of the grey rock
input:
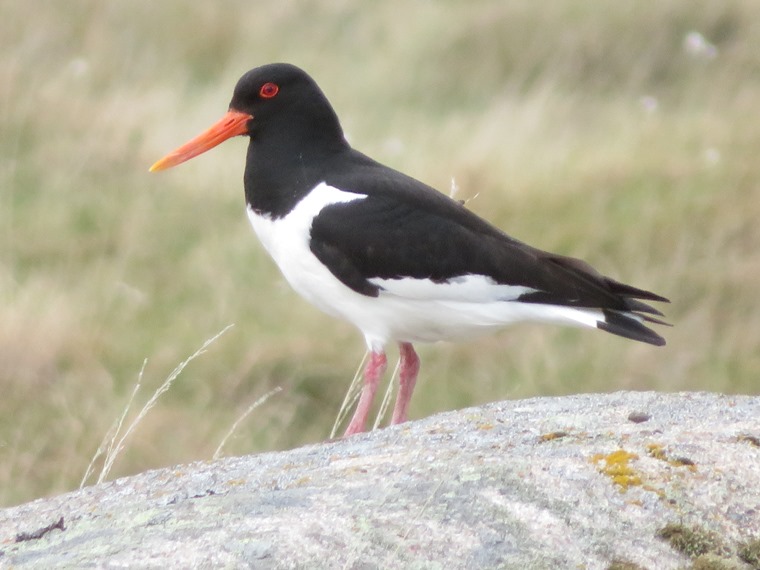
(564, 482)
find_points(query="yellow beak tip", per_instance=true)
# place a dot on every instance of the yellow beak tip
(159, 165)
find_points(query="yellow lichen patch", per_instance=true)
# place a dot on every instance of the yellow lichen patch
(616, 466)
(552, 436)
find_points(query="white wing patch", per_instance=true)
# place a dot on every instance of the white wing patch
(467, 288)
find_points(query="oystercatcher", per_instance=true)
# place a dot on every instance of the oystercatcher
(399, 260)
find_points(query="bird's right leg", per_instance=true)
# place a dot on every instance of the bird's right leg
(373, 371)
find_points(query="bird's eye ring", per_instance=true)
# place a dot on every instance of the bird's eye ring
(269, 90)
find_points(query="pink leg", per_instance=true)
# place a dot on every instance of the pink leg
(372, 373)
(407, 377)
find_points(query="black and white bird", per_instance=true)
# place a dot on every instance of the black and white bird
(399, 260)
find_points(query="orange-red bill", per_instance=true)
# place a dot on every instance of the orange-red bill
(233, 123)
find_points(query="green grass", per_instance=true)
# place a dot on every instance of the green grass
(537, 113)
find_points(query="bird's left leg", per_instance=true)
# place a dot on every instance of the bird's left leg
(407, 377)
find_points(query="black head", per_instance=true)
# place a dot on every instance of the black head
(282, 97)
(280, 107)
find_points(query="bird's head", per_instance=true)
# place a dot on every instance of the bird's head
(278, 99)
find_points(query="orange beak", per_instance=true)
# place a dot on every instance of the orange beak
(233, 124)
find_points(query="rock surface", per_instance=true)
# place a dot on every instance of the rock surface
(571, 482)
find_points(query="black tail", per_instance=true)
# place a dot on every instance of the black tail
(628, 323)
(571, 282)
(628, 326)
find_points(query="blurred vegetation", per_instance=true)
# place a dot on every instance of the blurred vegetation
(624, 133)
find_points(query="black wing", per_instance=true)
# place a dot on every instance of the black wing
(403, 228)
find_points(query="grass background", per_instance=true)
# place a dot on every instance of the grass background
(584, 128)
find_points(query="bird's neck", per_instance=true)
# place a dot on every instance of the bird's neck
(283, 167)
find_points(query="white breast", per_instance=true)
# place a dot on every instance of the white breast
(287, 241)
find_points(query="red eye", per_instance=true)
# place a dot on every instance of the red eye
(268, 90)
